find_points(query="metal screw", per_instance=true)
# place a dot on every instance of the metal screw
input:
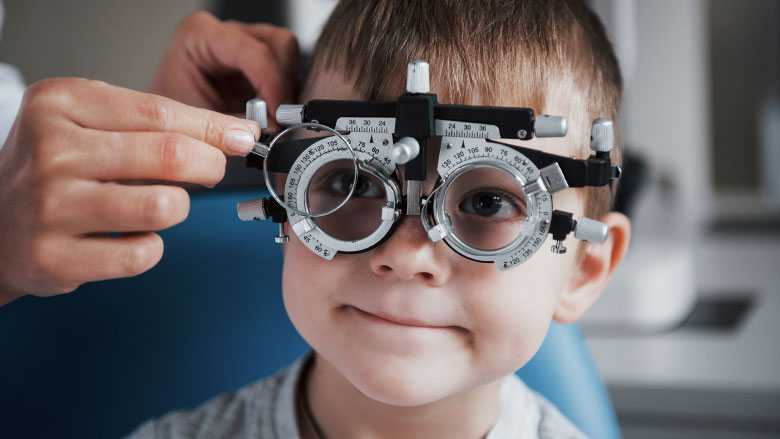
(449, 145)
(558, 248)
(385, 142)
(522, 133)
(281, 238)
(524, 162)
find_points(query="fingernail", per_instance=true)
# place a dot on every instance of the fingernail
(239, 141)
(256, 130)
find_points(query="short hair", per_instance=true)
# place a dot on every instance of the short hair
(519, 53)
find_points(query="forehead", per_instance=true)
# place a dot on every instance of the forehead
(330, 84)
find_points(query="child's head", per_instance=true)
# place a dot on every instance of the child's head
(482, 323)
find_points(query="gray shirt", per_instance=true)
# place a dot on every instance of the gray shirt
(266, 409)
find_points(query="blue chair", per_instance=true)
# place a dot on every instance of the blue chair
(206, 320)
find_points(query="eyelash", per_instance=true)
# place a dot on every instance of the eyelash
(511, 199)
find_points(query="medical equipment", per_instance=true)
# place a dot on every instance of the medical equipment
(334, 174)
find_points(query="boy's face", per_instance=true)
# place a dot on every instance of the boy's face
(411, 322)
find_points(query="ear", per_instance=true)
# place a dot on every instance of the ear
(598, 264)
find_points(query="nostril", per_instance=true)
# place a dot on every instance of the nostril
(385, 269)
(427, 276)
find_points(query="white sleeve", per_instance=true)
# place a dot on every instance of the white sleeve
(11, 91)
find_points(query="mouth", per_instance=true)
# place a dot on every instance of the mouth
(384, 318)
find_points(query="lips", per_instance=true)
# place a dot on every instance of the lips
(398, 320)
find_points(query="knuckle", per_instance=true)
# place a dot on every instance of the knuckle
(261, 48)
(174, 156)
(45, 87)
(157, 210)
(288, 41)
(139, 257)
(158, 113)
(212, 133)
(52, 92)
(195, 22)
(135, 259)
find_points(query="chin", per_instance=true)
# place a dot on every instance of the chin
(402, 381)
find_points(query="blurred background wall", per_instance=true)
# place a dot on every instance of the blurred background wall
(685, 336)
(114, 41)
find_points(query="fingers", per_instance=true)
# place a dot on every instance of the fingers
(109, 108)
(151, 156)
(282, 42)
(95, 207)
(74, 261)
(269, 73)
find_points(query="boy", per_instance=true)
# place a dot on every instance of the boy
(410, 339)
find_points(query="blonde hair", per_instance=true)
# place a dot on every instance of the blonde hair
(521, 53)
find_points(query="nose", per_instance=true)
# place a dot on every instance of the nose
(408, 254)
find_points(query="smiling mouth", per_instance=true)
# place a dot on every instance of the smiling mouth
(384, 318)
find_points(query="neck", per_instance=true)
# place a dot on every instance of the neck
(469, 414)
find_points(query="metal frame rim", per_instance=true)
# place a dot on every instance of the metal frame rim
(439, 213)
(278, 199)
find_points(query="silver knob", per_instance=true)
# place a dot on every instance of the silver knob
(558, 248)
(281, 238)
(550, 126)
(405, 150)
(602, 135)
(257, 111)
(591, 230)
(251, 210)
(289, 114)
(417, 77)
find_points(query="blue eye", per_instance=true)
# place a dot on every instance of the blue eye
(366, 187)
(491, 204)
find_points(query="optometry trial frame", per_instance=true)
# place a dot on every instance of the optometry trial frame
(343, 192)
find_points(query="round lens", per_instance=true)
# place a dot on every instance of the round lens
(486, 208)
(294, 163)
(361, 215)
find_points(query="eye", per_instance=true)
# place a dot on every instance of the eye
(492, 204)
(341, 183)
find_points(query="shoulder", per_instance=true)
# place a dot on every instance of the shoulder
(527, 414)
(260, 409)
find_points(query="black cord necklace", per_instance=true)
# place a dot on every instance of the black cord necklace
(303, 402)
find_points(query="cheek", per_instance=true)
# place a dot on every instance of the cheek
(511, 311)
(303, 286)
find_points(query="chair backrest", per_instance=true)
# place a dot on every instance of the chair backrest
(207, 319)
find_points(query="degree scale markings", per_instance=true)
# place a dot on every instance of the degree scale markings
(481, 152)
(369, 138)
(470, 150)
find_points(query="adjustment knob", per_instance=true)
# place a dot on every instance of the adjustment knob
(257, 111)
(289, 114)
(417, 77)
(405, 150)
(602, 135)
(251, 210)
(550, 126)
(591, 230)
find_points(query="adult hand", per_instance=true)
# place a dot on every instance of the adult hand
(221, 65)
(63, 173)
